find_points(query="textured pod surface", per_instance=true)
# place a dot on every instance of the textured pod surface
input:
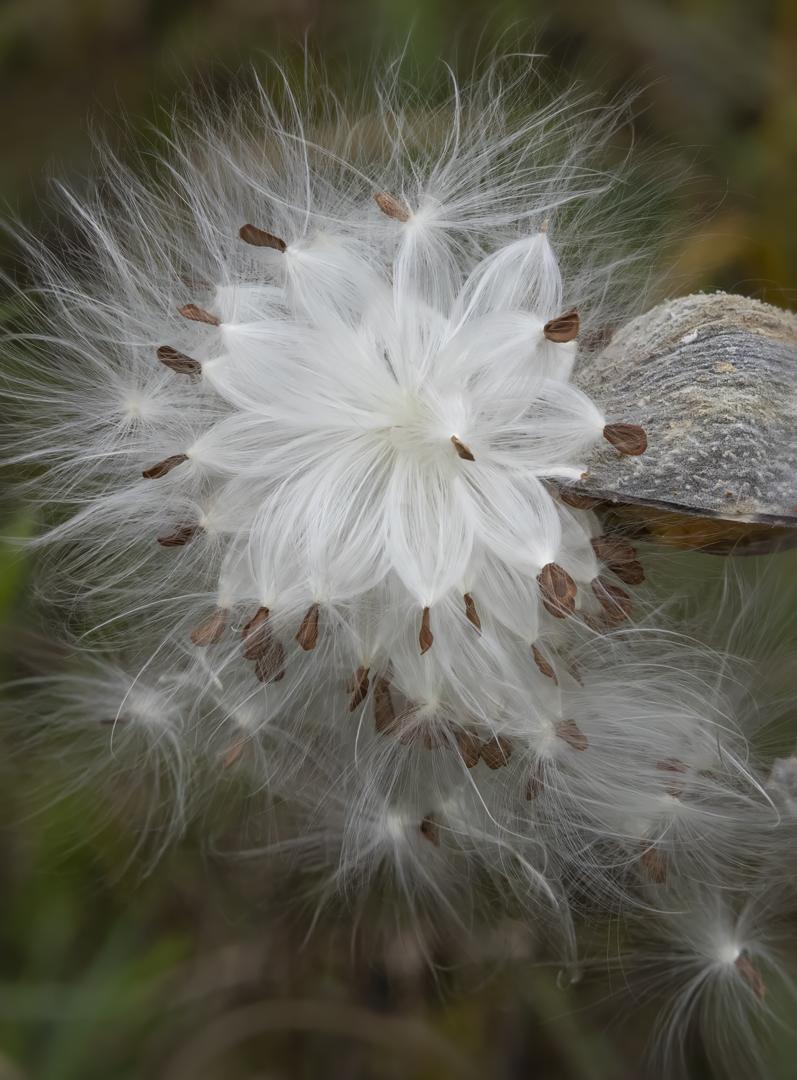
(711, 378)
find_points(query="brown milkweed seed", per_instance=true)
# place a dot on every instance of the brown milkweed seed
(469, 747)
(571, 733)
(425, 637)
(563, 327)
(495, 752)
(558, 590)
(198, 314)
(543, 664)
(232, 753)
(308, 631)
(360, 688)
(155, 472)
(577, 500)
(534, 787)
(384, 714)
(211, 631)
(250, 234)
(270, 664)
(180, 537)
(391, 206)
(461, 449)
(430, 831)
(751, 975)
(471, 614)
(256, 635)
(627, 439)
(656, 865)
(613, 549)
(632, 573)
(615, 601)
(178, 362)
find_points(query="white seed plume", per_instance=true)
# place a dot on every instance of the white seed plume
(299, 411)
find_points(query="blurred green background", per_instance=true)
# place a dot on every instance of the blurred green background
(193, 970)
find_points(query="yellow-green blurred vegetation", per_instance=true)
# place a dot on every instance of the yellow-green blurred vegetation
(191, 972)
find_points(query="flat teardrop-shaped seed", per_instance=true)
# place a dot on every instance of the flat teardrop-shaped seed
(577, 500)
(308, 631)
(751, 975)
(469, 747)
(656, 865)
(391, 206)
(615, 601)
(256, 634)
(571, 733)
(384, 714)
(250, 234)
(178, 362)
(461, 449)
(425, 637)
(155, 472)
(629, 439)
(471, 614)
(360, 687)
(613, 549)
(534, 786)
(232, 754)
(270, 664)
(496, 752)
(212, 630)
(675, 768)
(180, 537)
(632, 573)
(543, 664)
(558, 590)
(198, 314)
(563, 327)
(430, 831)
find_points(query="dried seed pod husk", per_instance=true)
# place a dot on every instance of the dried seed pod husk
(471, 613)
(359, 689)
(162, 468)
(391, 206)
(711, 378)
(211, 631)
(558, 590)
(563, 328)
(198, 314)
(496, 751)
(307, 636)
(250, 234)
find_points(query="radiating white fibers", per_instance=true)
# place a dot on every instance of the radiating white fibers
(297, 411)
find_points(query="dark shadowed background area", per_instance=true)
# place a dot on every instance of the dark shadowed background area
(197, 971)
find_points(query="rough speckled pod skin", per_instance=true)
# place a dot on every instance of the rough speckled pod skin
(711, 378)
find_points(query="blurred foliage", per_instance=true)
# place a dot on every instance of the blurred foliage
(187, 974)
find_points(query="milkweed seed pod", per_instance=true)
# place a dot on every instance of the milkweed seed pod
(302, 423)
(714, 379)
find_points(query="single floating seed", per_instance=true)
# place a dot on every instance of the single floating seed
(461, 449)
(430, 831)
(178, 362)
(232, 753)
(471, 614)
(384, 714)
(212, 630)
(391, 206)
(469, 747)
(629, 439)
(250, 234)
(256, 635)
(656, 865)
(543, 664)
(198, 314)
(359, 688)
(180, 537)
(495, 752)
(155, 472)
(558, 590)
(270, 665)
(751, 975)
(563, 328)
(308, 631)
(425, 637)
(571, 733)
